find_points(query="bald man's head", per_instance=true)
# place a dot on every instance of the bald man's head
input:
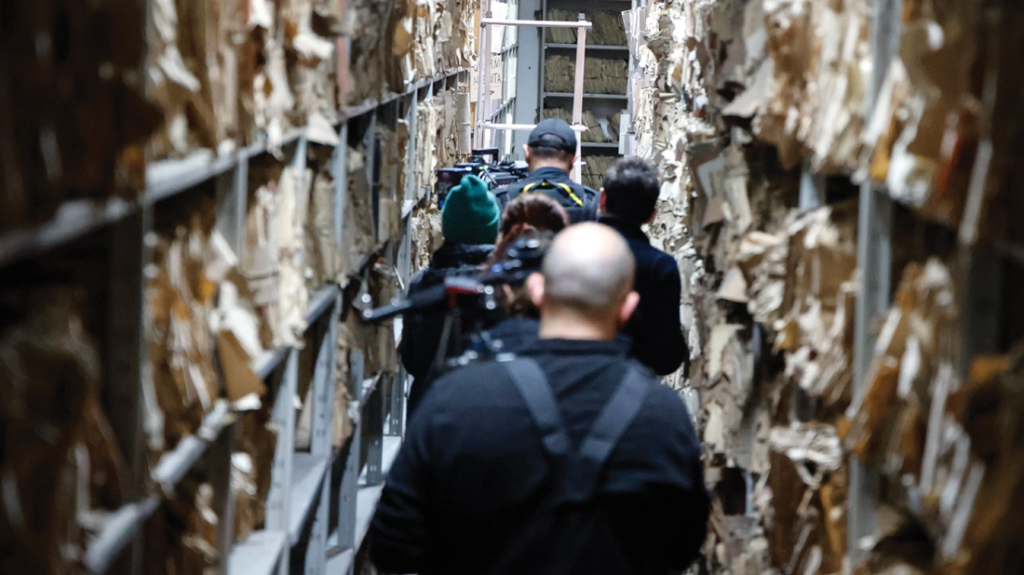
(588, 269)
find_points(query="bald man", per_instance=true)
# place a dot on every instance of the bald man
(570, 458)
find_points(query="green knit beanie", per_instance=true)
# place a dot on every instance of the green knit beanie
(471, 214)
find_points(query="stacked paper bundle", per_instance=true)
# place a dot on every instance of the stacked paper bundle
(74, 121)
(251, 463)
(221, 75)
(62, 466)
(182, 536)
(607, 27)
(180, 303)
(594, 169)
(399, 43)
(212, 317)
(321, 248)
(561, 35)
(391, 194)
(436, 136)
(372, 69)
(357, 237)
(600, 75)
(274, 257)
(598, 130)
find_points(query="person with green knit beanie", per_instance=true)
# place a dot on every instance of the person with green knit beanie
(471, 214)
(470, 220)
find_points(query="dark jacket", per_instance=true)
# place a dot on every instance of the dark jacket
(421, 331)
(556, 179)
(514, 333)
(657, 335)
(472, 463)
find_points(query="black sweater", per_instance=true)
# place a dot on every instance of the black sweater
(472, 461)
(514, 333)
(657, 335)
(421, 331)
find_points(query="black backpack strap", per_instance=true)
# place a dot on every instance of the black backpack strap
(597, 446)
(564, 190)
(533, 386)
(583, 468)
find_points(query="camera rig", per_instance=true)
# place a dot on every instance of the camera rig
(462, 293)
(470, 303)
(494, 173)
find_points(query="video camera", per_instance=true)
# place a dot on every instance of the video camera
(494, 173)
(469, 304)
(473, 296)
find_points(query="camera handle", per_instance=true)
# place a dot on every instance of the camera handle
(492, 152)
(449, 291)
(442, 347)
(426, 298)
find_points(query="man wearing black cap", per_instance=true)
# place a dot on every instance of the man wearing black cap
(550, 153)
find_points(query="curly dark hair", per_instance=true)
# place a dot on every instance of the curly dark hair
(527, 215)
(528, 212)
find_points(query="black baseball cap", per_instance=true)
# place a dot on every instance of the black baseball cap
(553, 133)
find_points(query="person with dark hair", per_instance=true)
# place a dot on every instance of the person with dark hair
(567, 459)
(628, 200)
(534, 216)
(469, 222)
(529, 212)
(550, 154)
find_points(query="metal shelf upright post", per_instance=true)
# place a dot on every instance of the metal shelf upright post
(874, 262)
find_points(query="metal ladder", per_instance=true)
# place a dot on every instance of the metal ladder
(483, 104)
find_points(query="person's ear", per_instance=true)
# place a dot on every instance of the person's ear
(602, 202)
(535, 284)
(651, 219)
(628, 307)
(527, 154)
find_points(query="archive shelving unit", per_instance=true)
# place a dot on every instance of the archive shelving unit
(602, 105)
(597, 50)
(988, 308)
(321, 500)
